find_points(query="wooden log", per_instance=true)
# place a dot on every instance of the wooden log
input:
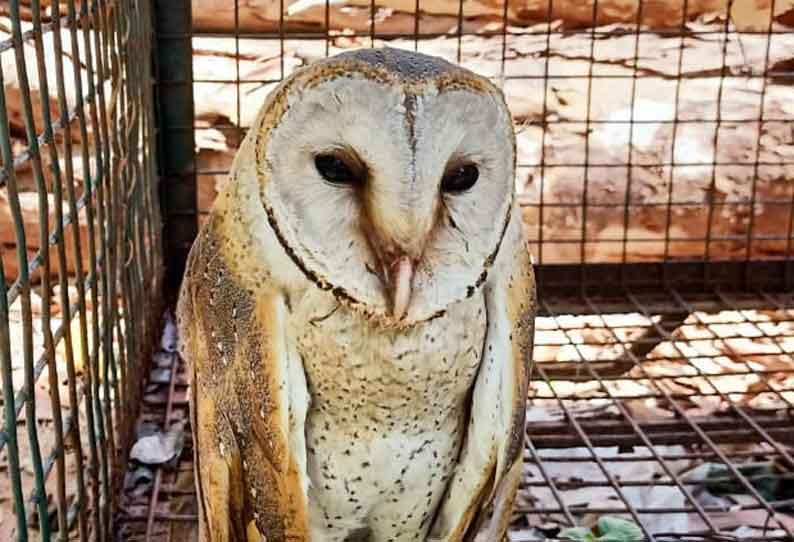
(264, 17)
(218, 101)
(749, 201)
(212, 167)
(398, 16)
(13, 92)
(23, 169)
(563, 106)
(29, 203)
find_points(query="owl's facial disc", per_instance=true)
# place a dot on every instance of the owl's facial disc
(394, 198)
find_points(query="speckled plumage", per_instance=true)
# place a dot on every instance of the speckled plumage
(317, 413)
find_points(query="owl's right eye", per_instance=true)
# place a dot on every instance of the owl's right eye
(334, 169)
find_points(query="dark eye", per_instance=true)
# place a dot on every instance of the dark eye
(334, 169)
(461, 178)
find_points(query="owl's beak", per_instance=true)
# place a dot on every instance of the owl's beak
(401, 275)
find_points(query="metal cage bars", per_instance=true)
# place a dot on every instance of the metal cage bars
(596, 444)
(705, 437)
(174, 76)
(88, 139)
(670, 293)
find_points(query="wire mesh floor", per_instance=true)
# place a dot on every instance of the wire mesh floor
(676, 419)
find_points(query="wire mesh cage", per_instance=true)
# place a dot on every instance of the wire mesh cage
(81, 258)
(655, 167)
(656, 177)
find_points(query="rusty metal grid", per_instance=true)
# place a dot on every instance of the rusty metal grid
(626, 414)
(81, 258)
(626, 407)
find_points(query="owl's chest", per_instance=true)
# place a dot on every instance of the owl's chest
(367, 377)
(387, 415)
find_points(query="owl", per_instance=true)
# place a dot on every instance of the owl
(357, 312)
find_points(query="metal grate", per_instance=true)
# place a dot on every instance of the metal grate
(81, 258)
(681, 423)
(678, 423)
(655, 169)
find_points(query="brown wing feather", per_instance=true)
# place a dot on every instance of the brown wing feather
(247, 478)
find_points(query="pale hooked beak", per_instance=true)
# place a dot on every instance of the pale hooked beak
(402, 274)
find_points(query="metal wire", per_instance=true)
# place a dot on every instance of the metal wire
(610, 429)
(713, 238)
(654, 173)
(80, 142)
(613, 420)
(662, 271)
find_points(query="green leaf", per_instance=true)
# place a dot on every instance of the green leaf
(614, 529)
(577, 533)
(616, 537)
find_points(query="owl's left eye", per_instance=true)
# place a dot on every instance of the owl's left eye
(334, 169)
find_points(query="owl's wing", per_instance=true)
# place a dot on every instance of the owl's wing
(489, 467)
(248, 405)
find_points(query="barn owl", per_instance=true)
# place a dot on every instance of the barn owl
(357, 313)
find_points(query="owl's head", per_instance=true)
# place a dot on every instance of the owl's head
(387, 177)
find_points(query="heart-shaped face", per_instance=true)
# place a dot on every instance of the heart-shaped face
(388, 178)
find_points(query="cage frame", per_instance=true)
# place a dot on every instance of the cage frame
(671, 298)
(673, 290)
